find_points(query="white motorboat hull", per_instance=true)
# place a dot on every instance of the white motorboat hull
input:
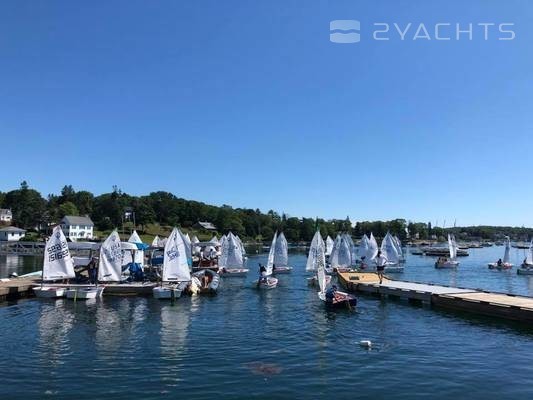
(166, 293)
(270, 283)
(282, 270)
(49, 292)
(85, 293)
(233, 272)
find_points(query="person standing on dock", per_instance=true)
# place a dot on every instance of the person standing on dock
(381, 261)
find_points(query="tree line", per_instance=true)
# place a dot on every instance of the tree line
(32, 211)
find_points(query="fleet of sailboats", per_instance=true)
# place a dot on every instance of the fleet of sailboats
(231, 260)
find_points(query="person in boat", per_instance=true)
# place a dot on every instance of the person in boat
(330, 294)
(262, 274)
(499, 263)
(363, 264)
(381, 261)
(206, 280)
(92, 270)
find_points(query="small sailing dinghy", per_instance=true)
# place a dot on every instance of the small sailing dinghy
(505, 263)
(341, 255)
(57, 265)
(281, 255)
(329, 246)
(205, 281)
(527, 266)
(390, 250)
(266, 280)
(452, 262)
(175, 276)
(109, 268)
(401, 255)
(316, 258)
(331, 297)
(231, 261)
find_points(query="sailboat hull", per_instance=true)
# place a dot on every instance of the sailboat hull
(525, 270)
(84, 293)
(282, 270)
(269, 283)
(447, 264)
(233, 272)
(500, 267)
(49, 292)
(166, 293)
(341, 300)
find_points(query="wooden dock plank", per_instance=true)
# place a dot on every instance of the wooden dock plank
(471, 300)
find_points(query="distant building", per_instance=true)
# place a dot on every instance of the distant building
(5, 215)
(208, 226)
(75, 227)
(11, 234)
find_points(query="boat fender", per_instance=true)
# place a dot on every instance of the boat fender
(367, 344)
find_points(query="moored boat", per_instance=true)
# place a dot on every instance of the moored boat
(57, 265)
(175, 276)
(527, 266)
(266, 280)
(281, 255)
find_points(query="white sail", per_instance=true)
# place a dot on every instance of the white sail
(270, 261)
(231, 256)
(139, 254)
(321, 276)
(529, 257)
(329, 245)
(110, 263)
(241, 245)
(58, 263)
(341, 255)
(398, 244)
(155, 242)
(372, 248)
(388, 249)
(351, 246)
(175, 266)
(362, 251)
(214, 239)
(317, 254)
(281, 253)
(452, 247)
(506, 256)
(187, 244)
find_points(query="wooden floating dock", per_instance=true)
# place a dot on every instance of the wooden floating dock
(11, 289)
(518, 308)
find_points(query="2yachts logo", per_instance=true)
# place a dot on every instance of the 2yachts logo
(349, 31)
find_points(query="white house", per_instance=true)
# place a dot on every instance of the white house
(5, 215)
(11, 234)
(75, 227)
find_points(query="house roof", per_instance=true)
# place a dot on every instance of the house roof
(75, 220)
(207, 225)
(5, 211)
(12, 229)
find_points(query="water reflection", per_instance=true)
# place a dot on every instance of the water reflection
(55, 323)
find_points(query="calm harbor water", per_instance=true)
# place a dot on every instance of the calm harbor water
(278, 344)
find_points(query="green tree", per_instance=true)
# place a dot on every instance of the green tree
(68, 208)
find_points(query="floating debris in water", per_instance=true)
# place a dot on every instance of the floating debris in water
(367, 344)
(264, 369)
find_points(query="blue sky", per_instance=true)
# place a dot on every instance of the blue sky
(250, 104)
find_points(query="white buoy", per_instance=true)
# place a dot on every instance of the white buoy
(366, 344)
